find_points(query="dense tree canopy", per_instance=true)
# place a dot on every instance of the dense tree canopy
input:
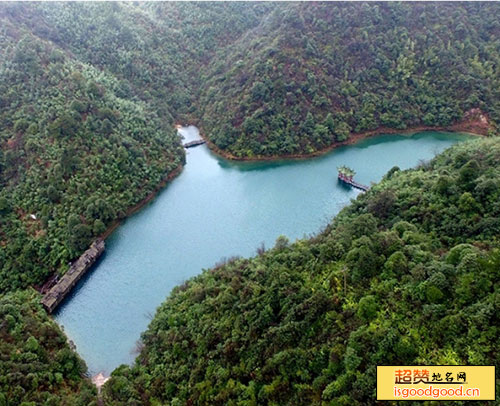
(37, 366)
(313, 73)
(77, 150)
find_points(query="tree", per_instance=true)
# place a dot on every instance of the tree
(79, 237)
(367, 308)
(4, 204)
(321, 135)
(362, 260)
(64, 126)
(329, 123)
(308, 124)
(260, 92)
(52, 194)
(342, 131)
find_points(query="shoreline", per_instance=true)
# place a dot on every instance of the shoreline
(353, 139)
(476, 127)
(50, 281)
(114, 225)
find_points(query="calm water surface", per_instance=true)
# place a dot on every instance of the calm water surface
(216, 209)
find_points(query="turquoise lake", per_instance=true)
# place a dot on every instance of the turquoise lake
(216, 209)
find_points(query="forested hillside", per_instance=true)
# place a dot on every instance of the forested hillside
(407, 275)
(82, 137)
(121, 39)
(76, 153)
(311, 74)
(37, 367)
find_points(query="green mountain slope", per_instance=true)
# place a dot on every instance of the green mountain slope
(75, 154)
(37, 366)
(118, 38)
(310, 74)
(408, 274)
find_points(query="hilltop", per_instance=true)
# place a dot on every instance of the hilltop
(311, 75)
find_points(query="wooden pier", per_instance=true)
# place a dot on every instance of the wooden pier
(345, 176)
(59, 291)
(194, 143)
(357, 185)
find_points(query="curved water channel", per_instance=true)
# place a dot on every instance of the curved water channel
(216, 209)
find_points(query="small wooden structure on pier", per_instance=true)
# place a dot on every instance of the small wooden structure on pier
(59, 291)
(345, 176)
(194, 143)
